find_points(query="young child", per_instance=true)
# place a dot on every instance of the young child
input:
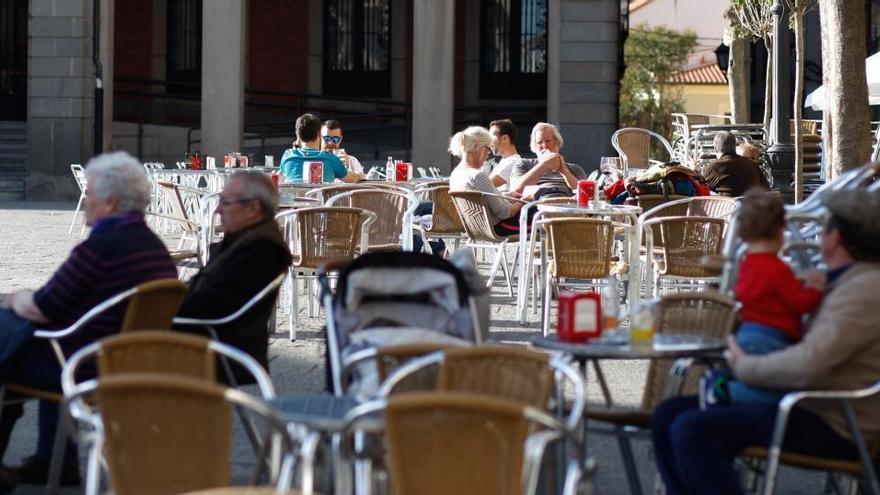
(773, 301)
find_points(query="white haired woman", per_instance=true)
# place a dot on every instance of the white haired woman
(472, 146)
(120, 252)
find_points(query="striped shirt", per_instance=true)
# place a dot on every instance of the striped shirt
(465, 178)
(120, 252)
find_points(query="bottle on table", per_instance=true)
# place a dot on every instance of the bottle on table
(390, 170)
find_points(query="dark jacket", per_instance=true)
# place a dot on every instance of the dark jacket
(733, 175)
(239, 267)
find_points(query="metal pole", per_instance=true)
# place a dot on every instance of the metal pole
(99, 85)
(781, 151)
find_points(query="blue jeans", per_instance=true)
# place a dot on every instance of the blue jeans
(695, 449)
(757, 339)
(31, 362)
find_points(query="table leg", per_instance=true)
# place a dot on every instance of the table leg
(629, 463)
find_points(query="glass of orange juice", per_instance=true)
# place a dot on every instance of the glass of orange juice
(642, 323)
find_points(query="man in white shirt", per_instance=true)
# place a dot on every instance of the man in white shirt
(503, 144)
(331, 141)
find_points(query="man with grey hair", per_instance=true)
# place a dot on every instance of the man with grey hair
(251, 254)
(731, 174)
(120, 253)
(548, 173)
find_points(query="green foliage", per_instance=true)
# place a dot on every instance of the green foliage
(652, 56)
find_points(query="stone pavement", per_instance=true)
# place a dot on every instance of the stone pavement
(33, 243)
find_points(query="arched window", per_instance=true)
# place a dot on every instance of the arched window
(357, 47)
(513, 48)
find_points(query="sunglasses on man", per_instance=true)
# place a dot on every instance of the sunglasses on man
(332, 139)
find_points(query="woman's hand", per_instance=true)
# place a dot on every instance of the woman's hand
(514, 194)
(733, 353)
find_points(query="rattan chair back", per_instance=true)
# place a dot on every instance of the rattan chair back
(325, 193)
(326, 234)
(467, 444)
(390, 208)
(707, 314)
(473, 211)
(154, 305)
(650, 201)
(157, 352)
(389, 358)
(164, 434)
(711, 206)
(178, 209)
(686, 240)
(580, 247)
(634, 146)
(444, 219)
(506, 372)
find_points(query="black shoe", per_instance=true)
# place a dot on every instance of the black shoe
(8, 479)
(34, 471)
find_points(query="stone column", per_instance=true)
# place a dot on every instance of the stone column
(108, 8)
(582, 82)
(433, 82)
(223, 57)
(60, 101)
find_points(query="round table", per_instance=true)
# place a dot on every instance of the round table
(663, 346)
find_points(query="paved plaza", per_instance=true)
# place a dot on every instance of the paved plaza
(33, 243)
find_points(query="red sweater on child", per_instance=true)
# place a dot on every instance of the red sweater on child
(771, 295)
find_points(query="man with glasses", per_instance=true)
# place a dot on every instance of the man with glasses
(331, 141)
(308, 136)
(251, 254)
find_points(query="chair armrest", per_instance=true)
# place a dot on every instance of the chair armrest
(91, 314)
(274, 284)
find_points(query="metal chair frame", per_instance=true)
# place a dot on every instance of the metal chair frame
(79, 175)
(615, 142)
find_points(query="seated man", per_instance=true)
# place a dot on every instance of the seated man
(331, 140)
(549, 171)
(695, 449)
(308, 128)
(251, 254)
(504, 145)
(120, 252)
(731, 174)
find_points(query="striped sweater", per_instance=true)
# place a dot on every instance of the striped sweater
(120, 253)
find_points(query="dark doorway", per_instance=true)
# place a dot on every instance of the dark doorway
(184, 46)
(13, 59)
(357, 48)
(513, 49)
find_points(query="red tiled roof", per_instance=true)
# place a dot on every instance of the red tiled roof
(637, 4)
(704, 74)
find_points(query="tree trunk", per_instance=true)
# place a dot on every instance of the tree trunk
(798, 106)
(768, 86)
(738, 81)
(846, 89)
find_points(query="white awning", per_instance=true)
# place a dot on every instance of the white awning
(816, 99)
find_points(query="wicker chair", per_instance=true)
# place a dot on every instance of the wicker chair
(634, 147)
(79, 175)
(190, 237)
(316, 236)
(686, 241)
(169, 434)
(445, 222)
(463, 443)
(324, 193)
(151, 305)
(392, 230)
(580, 249)
(711, 206)
(390, 358)
(473, 210)
(695, 313)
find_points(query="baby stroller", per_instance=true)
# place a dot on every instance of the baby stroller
(803, 225)
(391, 298)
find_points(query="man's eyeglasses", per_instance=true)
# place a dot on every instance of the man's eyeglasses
(226, 201)
(332, 139)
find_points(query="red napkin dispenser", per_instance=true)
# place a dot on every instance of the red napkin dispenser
(579, 317)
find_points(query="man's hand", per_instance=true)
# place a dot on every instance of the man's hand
(550, 161)
(816, 280)
(22, 303)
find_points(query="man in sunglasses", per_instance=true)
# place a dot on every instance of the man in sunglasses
(331, 141)
(308, 135)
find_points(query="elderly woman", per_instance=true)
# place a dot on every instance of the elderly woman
(120, 252)
(549, 171)
(840, 350)
(472, 146)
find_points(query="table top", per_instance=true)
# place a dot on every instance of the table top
(607, 209)
(666, 345)
(323, 412)
(734, 127)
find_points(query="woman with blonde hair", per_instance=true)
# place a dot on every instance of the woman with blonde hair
(472, 146)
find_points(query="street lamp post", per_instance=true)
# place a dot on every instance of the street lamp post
(781, 151)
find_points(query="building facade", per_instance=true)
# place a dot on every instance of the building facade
(225, 75)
